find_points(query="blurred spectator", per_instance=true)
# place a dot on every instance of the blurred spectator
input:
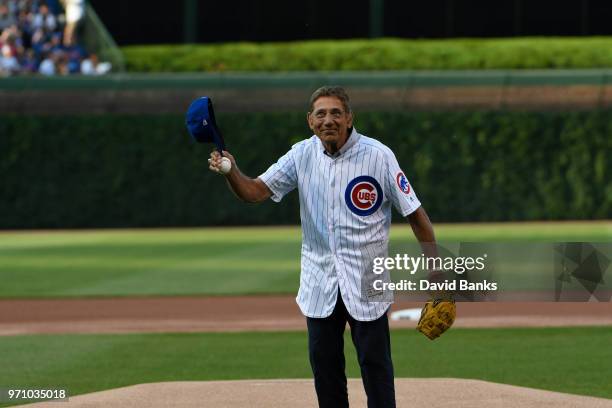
(91, 66)
(74, 54)
(28, 63)
(10, 50)
(44, 19)
(75, 11)
(6, 18)
(47, 66)
(24, 22)
(54, 6)
(38, 41)
(8, 61)
(36, 38)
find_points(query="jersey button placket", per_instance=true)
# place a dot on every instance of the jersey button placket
(332, 205)
(339, 201)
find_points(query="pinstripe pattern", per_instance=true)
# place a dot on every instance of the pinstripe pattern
(338, 244)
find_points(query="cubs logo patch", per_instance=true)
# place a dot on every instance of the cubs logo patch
(363, 195)
(402, 182)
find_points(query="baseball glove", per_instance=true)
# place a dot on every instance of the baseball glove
(437, 317)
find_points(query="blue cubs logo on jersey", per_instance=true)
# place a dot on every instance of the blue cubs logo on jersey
(363, 195)
(402, 182)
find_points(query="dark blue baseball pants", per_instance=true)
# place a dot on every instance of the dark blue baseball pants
(326, 351)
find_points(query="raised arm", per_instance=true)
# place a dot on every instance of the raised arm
(245, 188)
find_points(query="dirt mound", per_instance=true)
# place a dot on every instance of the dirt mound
(422, 392)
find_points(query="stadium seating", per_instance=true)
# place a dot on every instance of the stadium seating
(37, 37)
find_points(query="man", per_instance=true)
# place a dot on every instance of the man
(75, 12)
(347, 183)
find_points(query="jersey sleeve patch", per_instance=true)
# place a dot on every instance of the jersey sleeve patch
(402, 183)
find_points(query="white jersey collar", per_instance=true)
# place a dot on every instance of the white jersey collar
(352, 141)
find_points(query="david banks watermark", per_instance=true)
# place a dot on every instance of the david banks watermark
(494, 271)
(424, 284)
(436, 267)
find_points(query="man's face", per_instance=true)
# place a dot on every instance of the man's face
(329, 121)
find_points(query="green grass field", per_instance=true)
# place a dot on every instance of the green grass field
(573, 360)
(207, 261)
(261, 260)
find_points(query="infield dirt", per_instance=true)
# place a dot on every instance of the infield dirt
(255, 313)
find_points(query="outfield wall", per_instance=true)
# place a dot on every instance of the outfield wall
(477, 146)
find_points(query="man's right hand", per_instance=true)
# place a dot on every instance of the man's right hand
(214, 162)
(245, 188)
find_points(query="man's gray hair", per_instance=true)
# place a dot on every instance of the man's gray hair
(335, 91)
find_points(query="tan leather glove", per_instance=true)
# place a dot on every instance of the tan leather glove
(437, 317)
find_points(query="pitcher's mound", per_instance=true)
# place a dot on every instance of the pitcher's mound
(422, 392)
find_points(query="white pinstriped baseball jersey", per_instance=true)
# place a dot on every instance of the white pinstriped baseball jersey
(345, 208)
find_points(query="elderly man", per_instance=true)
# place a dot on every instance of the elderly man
(347, 183)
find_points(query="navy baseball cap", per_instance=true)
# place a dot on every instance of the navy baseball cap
(201, 123)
